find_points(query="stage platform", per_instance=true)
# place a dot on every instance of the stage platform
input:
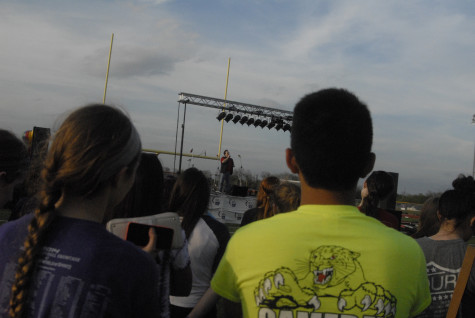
(230, 209)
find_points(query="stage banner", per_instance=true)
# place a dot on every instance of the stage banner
(228, 208)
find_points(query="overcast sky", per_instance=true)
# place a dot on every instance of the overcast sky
(412, 62)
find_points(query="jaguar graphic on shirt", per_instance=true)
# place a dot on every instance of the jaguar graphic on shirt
(333, 276)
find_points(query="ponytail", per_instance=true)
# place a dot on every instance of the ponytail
(267, 209)
(264, 204)
(370, 205)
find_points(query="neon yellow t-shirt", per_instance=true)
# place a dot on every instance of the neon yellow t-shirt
(323, 261)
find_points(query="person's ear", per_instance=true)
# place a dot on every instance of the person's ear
(291, 162)
(439, 216)
(472, 221)
(369, 165)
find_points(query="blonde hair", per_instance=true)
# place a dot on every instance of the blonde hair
(286, 197)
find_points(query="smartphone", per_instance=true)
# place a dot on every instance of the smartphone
(137, 233)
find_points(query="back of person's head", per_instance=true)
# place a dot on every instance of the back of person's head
(459, 205)
(378, 186)
(13, 157)
(146, 195)
(92, 145)
(190, 198)
(266, 189)
(13, 165)
(331, 139)
(428, 219)
(286, 197)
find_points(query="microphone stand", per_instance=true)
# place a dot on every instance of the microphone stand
(240, 171)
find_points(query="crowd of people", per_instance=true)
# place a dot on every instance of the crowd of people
(305, 250)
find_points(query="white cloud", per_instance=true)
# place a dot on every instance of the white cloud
(411, 62)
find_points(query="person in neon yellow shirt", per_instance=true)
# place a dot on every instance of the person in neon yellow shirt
(326, 259)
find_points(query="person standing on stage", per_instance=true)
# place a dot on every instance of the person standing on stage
(227, 165)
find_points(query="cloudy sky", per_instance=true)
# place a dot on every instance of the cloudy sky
(412, 62)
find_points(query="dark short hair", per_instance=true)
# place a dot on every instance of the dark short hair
(331, 138)
(13, 156)
(379, 184)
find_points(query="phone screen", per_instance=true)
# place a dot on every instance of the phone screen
(137, 233)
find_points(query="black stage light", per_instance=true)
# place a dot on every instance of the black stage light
(286, 127)
(228, 117)
(257, 122)
(250, 121)
(279, 126)
(271, 125)
(263, 124)
(236, 118)
(243, 120)
(221, 116)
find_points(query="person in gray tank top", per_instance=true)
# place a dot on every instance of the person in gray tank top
(445, 250)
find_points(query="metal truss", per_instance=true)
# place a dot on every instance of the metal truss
(272, 114)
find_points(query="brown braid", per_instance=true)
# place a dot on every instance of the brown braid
(37, 231)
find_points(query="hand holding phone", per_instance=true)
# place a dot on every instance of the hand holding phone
(138, 234)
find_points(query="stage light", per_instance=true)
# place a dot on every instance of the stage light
(250, 121)
(243, 120)
(257, 122)
(286, 127)
(279, 126)
(236, 119)
(263, 124)
(221, 116)
(271, 125)
(228, 117)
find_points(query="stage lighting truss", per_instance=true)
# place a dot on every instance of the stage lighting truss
(249, 114)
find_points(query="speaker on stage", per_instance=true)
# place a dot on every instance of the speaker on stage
(238, 191)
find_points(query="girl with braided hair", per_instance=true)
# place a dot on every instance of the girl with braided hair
(61, 261)
(376, 188)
